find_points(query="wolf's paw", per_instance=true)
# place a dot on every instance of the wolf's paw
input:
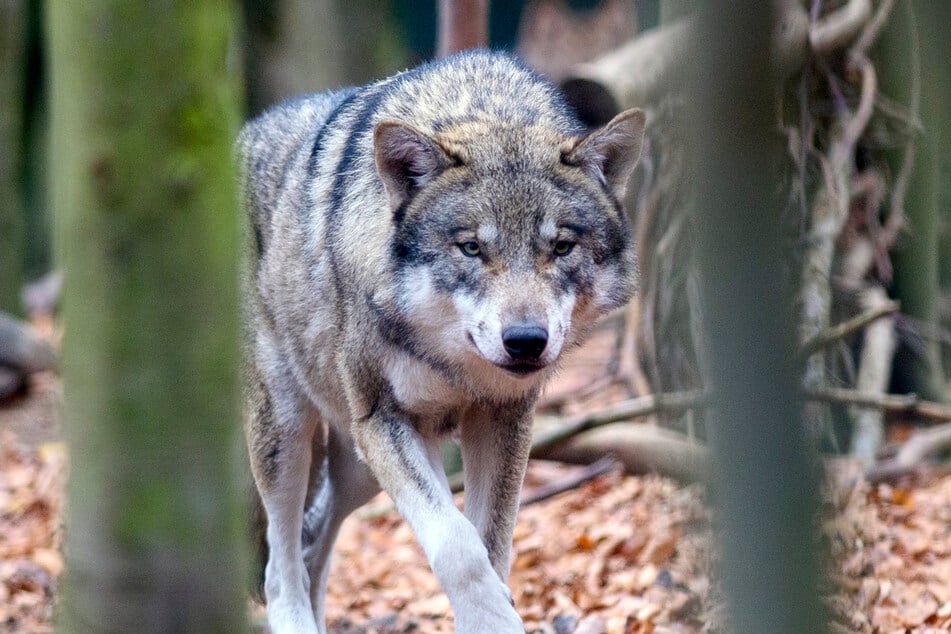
(498, 620)
(488, 609)
(292, 619)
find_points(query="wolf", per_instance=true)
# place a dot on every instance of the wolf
(422, 252)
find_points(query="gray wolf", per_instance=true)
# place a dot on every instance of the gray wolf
(423, 250)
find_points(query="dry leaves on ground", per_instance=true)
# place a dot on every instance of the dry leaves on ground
(31, 483)
(618, 555)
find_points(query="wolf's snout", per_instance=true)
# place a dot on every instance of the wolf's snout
(525, 342)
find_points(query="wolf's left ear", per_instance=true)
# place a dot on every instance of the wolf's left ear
(610, 153)
(406, 159)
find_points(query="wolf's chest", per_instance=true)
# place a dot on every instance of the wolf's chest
(425, 394)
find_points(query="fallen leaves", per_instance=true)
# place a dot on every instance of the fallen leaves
(31, 559)
(891, 549)
(618, 555)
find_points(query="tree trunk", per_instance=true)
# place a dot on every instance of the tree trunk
(936, 96)
(13, 23)
(764, 481)
(144, 110)
(303, 46)
(673, 10)
(293, 48)
(909, 66)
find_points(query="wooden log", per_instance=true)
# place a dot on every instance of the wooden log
(21, 350)
(655, 64)
(640, 448)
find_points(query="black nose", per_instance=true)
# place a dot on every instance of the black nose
(524, 343)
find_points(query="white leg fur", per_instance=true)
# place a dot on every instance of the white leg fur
(494, 454)
(286, 581)
(459, 560)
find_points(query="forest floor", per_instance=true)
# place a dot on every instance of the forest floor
(618, 555)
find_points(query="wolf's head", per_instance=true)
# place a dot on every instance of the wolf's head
(508, 241)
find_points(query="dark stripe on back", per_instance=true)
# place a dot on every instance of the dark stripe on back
(351, 149)
(329, 123)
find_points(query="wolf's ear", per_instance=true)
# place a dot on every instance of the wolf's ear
(610, 153)
(406, 159)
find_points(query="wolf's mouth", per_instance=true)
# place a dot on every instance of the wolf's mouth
(522, 368)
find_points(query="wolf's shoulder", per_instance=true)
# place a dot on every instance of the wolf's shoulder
(282, 128)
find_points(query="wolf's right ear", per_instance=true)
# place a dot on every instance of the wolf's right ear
(406, 159)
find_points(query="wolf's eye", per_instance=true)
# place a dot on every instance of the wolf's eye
(470, 248)
(563, 247)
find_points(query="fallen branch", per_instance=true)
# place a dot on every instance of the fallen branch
(640, 448)
(625, 410)
(590, 472)
(645, 69)
(21, 350)
(896, 403)
(918, 448)
(10, 382)
(850, 326)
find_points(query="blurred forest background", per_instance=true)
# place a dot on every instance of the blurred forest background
(837, 124)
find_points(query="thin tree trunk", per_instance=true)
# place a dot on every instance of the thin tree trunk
(144, 110)
(934, 16)
(910, 55)
(763, 474)
(13, 23)
(463, 24)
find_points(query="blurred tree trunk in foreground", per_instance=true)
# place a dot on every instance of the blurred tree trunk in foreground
(13, 25)
(764, 478)
(144, 109)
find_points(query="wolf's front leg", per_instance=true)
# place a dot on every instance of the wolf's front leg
(280, 432)
(408, 469)
(495, 448)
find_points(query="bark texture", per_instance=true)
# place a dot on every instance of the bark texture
(12, 85)
(144, 110)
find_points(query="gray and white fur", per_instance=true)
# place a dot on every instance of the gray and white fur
(423, 250)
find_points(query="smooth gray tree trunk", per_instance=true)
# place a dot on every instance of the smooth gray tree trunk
(765, 479)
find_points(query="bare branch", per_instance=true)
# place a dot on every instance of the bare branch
(911, 454)
(625, 410)
(590, 472)
(897, 403)
(875, 370)
(840, 27)
(874, 28)
(851, 326)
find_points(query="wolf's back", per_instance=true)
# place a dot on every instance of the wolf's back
(273, 150)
